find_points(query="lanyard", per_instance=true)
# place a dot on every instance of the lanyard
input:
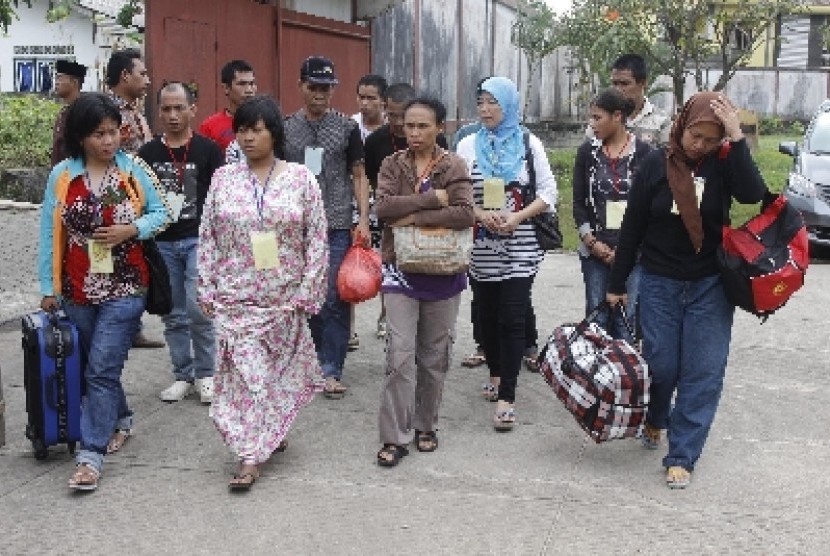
(259, 192)
(613, 161)
(96, 199)
(179, 166)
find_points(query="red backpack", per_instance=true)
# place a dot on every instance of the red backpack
(763, 262)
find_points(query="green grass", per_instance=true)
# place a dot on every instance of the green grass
(773, 165)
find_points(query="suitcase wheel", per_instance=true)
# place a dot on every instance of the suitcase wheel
(72, 448)
(40, 449)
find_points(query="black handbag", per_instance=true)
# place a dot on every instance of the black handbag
(159, 294)
(546, 224)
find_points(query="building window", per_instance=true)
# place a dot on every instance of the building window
(740, 39)
(34, 75)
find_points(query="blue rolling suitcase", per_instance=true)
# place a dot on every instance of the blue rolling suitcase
(53, 378)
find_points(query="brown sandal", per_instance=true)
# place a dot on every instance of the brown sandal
(243, 481)
(334, 390)
(85, 478)
(118, 439)
(426, 441)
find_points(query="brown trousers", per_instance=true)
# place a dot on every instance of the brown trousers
(419, 337)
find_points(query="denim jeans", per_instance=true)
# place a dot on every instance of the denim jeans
(502, 310)
(531, 334)
(330, 327)
(595, 275)
(687, 328)
(106, 332)
(186, 325)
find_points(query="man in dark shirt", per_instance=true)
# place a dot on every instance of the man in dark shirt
(69, 78)
(329, 144)
(184, 163)
(391, 137)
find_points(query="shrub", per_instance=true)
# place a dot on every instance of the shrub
(26, 123)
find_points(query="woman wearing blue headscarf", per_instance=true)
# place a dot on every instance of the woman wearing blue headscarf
(506, 255)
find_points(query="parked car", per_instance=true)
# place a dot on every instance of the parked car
(808, 185)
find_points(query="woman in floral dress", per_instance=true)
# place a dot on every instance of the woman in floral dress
(262, 271)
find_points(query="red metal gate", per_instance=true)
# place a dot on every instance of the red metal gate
(190, 41)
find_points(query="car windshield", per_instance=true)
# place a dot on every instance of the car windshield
(819, 138)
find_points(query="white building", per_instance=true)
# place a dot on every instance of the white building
(29, 51)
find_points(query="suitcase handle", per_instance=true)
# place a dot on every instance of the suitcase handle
(603, 306)
(51, 390)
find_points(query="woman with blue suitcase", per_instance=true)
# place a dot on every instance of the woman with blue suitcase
(98, 206)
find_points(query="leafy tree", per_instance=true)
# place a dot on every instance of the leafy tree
(533, 32)
(60, 9)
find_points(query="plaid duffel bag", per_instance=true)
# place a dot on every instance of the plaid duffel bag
(603, 382)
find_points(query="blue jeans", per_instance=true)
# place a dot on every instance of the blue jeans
(186, 325)
(687, 328)
(596, 274)
(106, 332)
(330, 327)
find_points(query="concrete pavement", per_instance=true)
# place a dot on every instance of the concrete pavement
(760, 487)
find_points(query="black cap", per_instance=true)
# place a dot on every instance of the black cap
(70, 68)
(317, 69)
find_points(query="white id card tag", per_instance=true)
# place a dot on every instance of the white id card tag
(176, 202)
(614, 211)
(100, 257)
(266, 250)
(314, 159)
(493, 193)
(700, 183)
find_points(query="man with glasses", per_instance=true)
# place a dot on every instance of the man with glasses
(329, 144)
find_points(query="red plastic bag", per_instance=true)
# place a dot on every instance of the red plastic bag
(359, 277)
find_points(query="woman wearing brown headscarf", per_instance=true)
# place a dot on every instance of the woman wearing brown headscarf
(676, 210)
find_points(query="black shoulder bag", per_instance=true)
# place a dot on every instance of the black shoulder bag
(546, 223)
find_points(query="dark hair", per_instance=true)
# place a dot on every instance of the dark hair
(633, 63)
(168, 86)
(432, 103)
(401, 93)
(479, 84)
(84, 117)
(265, 108)
(375, 81)
(119, 62)
(612, 100)
(233, 67)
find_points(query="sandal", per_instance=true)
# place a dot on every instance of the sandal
(651, 437)
(390, 455)
(677, 477)
(505, 420)
(85, 478)
(532, 362)
(281, 447)
(242, 482)
(118, 439)
(474, 359)
(426, 441)
(334, 390)
(490, 392)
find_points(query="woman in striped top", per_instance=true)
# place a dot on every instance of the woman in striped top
(506, 255)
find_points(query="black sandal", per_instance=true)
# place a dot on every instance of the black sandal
(390, 455)
(427, 438)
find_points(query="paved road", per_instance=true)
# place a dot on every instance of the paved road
(760, 487)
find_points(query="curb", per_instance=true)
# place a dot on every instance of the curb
(8, 204)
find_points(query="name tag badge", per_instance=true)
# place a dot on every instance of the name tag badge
(493, 193)
(100, 257)
(314, 159)
(266, 250)
(176, 202)
(614, 211)
(699, 183)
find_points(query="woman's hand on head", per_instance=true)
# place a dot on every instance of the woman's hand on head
(110, 236)
(727, 113)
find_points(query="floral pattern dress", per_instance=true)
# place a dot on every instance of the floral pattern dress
(266, 365)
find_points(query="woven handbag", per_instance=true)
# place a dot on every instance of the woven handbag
(432, 250)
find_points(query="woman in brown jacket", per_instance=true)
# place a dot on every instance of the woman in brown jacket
(423, 185)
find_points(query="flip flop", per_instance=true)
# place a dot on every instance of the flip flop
(334, 390)
(504, 421)
(474, 360)
(677, 477)
(118, 439)
(532, 363)
(85, 478)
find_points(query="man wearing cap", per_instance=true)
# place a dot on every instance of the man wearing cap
(69, 78)
(329, 144)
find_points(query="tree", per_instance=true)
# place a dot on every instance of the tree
(533, 32)
(60, 9)
(680, 38)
